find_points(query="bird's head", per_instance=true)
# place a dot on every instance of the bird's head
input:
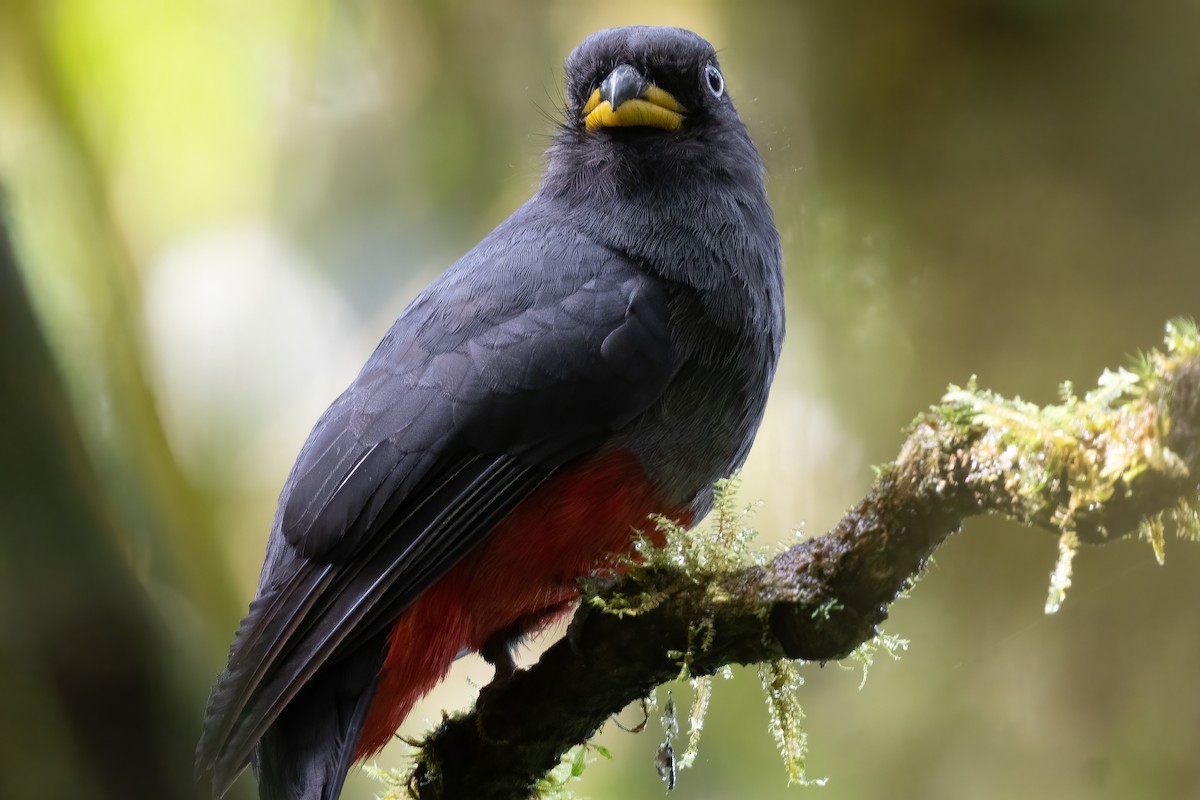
(653, 161)
(643, 102)
(645, 78)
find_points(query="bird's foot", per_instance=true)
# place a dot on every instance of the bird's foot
(498, 651)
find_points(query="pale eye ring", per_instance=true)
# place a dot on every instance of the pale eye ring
(716, 83)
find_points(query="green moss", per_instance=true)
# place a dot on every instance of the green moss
(781, 680)
(557, 783)
(826, 609)
(1153, 530)
(1060, 578)
(1185, 517)
(701, 693)
(1183, 337)
(395, 782)
(1086, 450)
(720, 546)
(864, 655)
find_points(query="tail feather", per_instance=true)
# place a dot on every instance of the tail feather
(261, 634)
(308, 750)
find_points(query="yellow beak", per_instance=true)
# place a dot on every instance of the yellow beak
(626, 99)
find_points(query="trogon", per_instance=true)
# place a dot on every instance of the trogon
(603, 355)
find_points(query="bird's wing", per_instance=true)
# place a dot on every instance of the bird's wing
(482, 388)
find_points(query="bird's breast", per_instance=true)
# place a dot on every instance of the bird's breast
(702, 426)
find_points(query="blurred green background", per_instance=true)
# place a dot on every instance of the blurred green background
(220, 206)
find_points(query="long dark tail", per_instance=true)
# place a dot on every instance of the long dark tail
(307, 752)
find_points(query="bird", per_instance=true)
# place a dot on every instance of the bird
(603, 355)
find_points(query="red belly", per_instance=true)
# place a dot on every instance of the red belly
(528, 563)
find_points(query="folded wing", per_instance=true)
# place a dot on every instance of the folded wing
(465, 408)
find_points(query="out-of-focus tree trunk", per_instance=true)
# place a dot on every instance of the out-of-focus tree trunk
(90, 709)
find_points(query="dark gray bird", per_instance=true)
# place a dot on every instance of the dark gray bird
(604, 354)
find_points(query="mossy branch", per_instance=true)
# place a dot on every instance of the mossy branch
(1091, 469)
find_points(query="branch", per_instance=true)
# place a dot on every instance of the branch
(1091, 470)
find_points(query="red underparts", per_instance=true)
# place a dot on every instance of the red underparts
(528, 563)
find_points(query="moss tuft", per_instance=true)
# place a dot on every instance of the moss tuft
(865, 653)
(781, 680)
(1069, 459)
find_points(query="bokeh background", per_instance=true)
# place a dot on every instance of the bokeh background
(220, 206)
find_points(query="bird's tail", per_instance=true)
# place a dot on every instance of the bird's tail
(307, 752)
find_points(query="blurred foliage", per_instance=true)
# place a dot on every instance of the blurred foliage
(220, 206)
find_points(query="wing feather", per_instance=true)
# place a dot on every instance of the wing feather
(464, 409)
(353, 606)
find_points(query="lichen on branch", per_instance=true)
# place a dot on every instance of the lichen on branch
(1123, 458)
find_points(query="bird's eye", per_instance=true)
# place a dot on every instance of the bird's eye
(716, 83)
